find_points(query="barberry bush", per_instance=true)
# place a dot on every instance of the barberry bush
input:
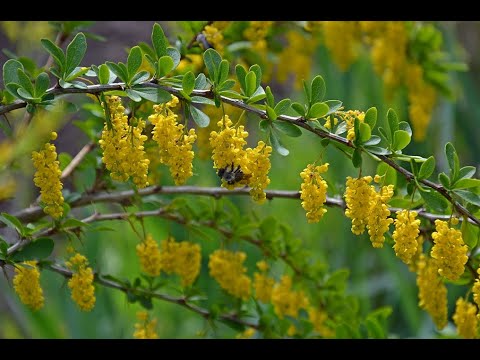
(236, 179)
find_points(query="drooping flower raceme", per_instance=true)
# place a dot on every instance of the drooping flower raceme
(27, 284)
(262, 283)
(378, 219)
(226, 267)
(357, 198)
(465, 319)
(449, 250)
(476, 289)
(318, 317)
(287, 301)
(259, 166)
(122, 146)
(342, 38)
(145, 327)
(182, 258)
(175, 146)
(432, 292)
(47, 178)
(148, 253)
(405, 235)
(81, 282)
(314, 191)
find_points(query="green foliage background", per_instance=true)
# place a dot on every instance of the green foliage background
(376, 276)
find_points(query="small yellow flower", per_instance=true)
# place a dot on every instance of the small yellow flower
(226, 267)
(81, 282)
(247, 334)
(214, 37)
(287, 301)
(357, 198)
(476, 289)
(27, 284)
(405, 235)
(314, 192)
(145, 328)
(465, 319)
(342, 39)
(378, 220)
(259, 166)
(149, 256)
(47, 178)
(318, 317)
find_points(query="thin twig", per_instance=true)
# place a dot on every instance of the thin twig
(77, 160)
(182, 301)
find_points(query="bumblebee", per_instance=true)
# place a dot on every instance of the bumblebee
(231, 174)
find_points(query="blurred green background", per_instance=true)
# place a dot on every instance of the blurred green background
(377, 277)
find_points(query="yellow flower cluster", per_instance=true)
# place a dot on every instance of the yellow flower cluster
(182, 258)
(226, 267)
(247, 334)
(256, 33)
(405, 235)
(27, 284)
(175, 146)
(262, 283)
(299, 65)
(259, 166)
(287, 301)
(432, 292)
(81, 282)
(149, 255)
(342, 39)
(145, 328)
(228, 153)
(389, 52)
(465, 319)
(421, 97)
(357, 198)
(214, 37)
(318, 317)
(47, 178)
(449, 250)
(122, 146)
(413, 266)
(378, 219)
(476, 289)
(314, 192)
(349, 117)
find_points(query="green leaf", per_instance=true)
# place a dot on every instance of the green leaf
(202, 100)
(56, 53)
(466, 183)
(469, 233)
(212, 60)
(403, 125)
(165, 65)
(201, 82)
(271, 113)
(401, 139)
(374, 328)
(427, 168)
(338, 280)
(384, 135)
(153, 94)
(223, 70)
(269, 97)
(41, 84)
(134, 61)
(25, 82)
(175, 55)
(318, 110)
(308, 92)
(357, 158)
(390, 174)
(283, 106)
(134, 95)
(64, 159)
(75, 53)
(333, 105)
(3, 247)
(227, 85)
(72, 222)
(188, 82)
(159, 41)
(434, 200)
(365, 132)
(258, 95)
(140, 77)
(250, 83)
(374, 140)
(392, 122)
(318, 89)
(118, 70)
(12, 222)
(287, 128)
(453, 162)
(200, 118)
(39, 249)
(468, 196)
(264, 124)
(258, 74)
(241, 73)
(277, 145)
(103, 74)
(466, 172)
(298, 108)
(371, 117)
(24, 94)
(444, 180)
